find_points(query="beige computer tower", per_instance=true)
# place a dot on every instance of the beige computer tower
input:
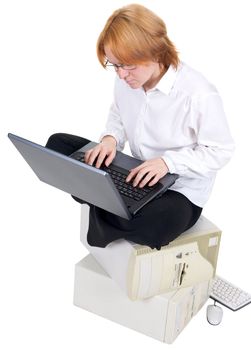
(162, 317)
(142, 272)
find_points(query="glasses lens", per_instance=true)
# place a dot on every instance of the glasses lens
(110, 66)
(130, 67)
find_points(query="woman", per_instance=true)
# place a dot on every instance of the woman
(173, 119)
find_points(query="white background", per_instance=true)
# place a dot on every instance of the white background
(51, 82)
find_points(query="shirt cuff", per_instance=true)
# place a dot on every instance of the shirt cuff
(174, 168)
(169, 164)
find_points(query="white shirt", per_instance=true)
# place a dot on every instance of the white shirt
(180, 120)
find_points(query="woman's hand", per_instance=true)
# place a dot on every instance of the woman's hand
(105, 150)
(151, 171)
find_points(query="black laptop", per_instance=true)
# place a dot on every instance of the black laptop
(104, 187)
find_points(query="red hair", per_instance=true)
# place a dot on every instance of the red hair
(136, 35)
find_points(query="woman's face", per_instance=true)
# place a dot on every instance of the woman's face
(145, 76)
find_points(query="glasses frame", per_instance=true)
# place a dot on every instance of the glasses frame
(117, 66)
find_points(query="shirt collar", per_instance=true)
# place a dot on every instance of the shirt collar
(167, 81)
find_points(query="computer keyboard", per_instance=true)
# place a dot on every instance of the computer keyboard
(228, 294)
(119, 176)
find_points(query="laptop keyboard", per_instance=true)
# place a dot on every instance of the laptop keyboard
(119, 176)
(124, 187)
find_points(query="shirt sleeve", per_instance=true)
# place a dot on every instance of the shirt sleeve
(214, 146)
(114, 125)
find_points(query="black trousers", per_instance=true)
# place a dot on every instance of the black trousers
(155, 225)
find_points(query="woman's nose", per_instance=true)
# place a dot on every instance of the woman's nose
(122, 73)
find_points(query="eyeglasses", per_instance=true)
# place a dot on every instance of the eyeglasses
(108, 64)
